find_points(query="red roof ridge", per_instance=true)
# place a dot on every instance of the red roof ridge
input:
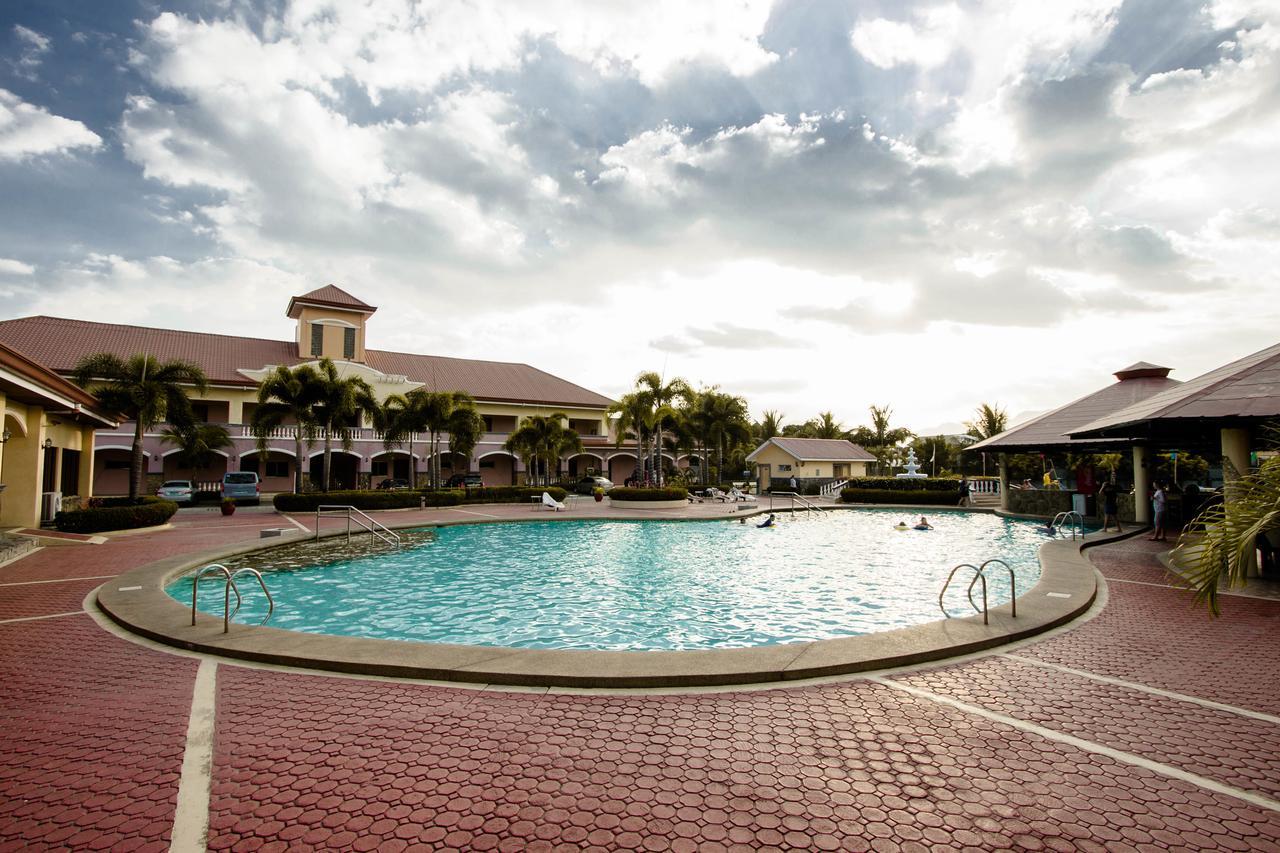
(145, 328)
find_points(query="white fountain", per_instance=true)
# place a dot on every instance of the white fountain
(913, 469)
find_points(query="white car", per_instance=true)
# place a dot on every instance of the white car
(178, 491)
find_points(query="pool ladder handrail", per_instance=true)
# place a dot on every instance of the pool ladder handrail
(375, 529)
(1077, 522)
(809, 506)
(227, 611)
(979, 575)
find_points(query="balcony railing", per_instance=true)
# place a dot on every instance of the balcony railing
(358, 434)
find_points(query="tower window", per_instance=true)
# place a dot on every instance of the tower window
(348, 343)
(317, 339)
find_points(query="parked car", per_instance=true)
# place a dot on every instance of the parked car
(393, 484)
(587, 485)
(464, 481)
(178, 491)
(242, 486)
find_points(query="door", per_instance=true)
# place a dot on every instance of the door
(764, 478)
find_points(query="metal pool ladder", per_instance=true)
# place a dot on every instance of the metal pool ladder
(807, 505)
(227, 611)
(1075, 519)
(373, 528)
(979, 576)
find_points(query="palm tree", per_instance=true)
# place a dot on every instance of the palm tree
(826, 426)
(662, 397)
(880, 439)
(339, 401)
(634, 413)
(770, 425)
(142, 389)
(464, 425)
(726, 421)
(540, 438)
(197, 444)
(285, 397)
(989, 421)
(1231, 530)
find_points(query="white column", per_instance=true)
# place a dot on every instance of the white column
(1004, 481)
(1141, 485)
(1235, 446)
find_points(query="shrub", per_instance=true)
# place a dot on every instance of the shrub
(907, 484)
(928, 497)
(116, 514)
(622, 493)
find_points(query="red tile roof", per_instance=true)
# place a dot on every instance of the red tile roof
(1139, 382)
(1246, 388)
(52, 389)
(329, 296)
(60, 343)
(817, 449)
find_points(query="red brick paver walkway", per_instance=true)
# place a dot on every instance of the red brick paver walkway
(93, 727)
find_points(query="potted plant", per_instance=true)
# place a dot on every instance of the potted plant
(598, 493)
(228, 506)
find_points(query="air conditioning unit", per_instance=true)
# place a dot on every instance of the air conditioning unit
(50, 505)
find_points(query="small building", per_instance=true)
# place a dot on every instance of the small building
(809, 460)
(47, 427)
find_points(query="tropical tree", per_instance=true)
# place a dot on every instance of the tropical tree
(197, 444)
(285, 399)
(339, 402)
(727, 423)
(634, 415)
(770, 425)
(824, 426)
(142, 389)
(1223, 554)
(465, 426)
(662, 397)
(880, 438)
(539, 438)
(988, 421)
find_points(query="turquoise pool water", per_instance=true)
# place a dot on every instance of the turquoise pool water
(636, 584)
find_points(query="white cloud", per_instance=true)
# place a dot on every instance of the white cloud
(8, 266)
(925, 42)
(34, 47)
(27, 130)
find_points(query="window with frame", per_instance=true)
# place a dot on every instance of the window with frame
(348, 343)
(379, 468)
(784, 467)
(276, 468)
(249, 463)
(317, 339)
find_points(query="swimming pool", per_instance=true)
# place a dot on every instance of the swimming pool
(642, 585)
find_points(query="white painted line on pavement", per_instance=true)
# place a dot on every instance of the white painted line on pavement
(59, 580)
(34, 618)
(1154, 691)
(191, 818)
(1086, 745)
(296, 523)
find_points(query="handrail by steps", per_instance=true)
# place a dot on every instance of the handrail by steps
(373, 528)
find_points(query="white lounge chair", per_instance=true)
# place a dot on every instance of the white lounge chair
(737, 494)
(552, 503)
(713, 492)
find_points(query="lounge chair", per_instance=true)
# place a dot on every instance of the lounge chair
(713, 492)
(552, 503)
(738, 495)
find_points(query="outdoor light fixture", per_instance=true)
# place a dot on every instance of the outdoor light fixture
(5, 436)
(48, 444)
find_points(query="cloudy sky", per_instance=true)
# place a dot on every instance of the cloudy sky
(815, 204)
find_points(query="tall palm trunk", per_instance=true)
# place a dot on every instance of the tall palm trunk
(328, 455)
(639, 475)
(657, 458)
(297, 459)
(135, 464)
(413, 462)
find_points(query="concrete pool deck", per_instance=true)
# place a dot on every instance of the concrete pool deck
(139, 603)
(1143, 725)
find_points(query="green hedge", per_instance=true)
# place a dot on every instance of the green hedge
(930, 497)
(907, 484)
(623, 493)
(116, 514)
(372, 499)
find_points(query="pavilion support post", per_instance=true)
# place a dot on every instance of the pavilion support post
(1141, 485)
(1235, 447)
(1004, 481)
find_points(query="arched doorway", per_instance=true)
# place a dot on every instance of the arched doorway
(621, 467)
(498, 469)
(343, 470)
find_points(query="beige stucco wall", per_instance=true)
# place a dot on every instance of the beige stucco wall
(333, 335)
(23, 466)
(775, 456)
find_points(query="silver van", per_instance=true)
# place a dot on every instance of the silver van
(244, 486)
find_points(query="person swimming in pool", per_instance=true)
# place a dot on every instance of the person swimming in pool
(768, 522)
(923, 524)
(902, 525)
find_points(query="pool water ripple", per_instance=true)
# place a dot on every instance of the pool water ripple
(638, 584)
